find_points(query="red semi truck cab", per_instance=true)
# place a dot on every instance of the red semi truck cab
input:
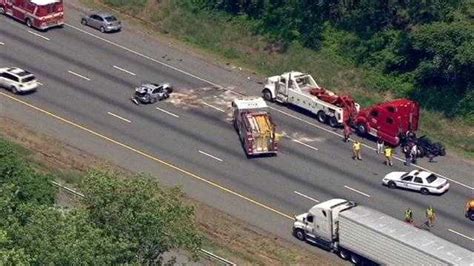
(39, 14)
(388, 120)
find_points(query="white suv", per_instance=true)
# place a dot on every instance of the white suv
(17, 80)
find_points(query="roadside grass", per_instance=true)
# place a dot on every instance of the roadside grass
(231, 40)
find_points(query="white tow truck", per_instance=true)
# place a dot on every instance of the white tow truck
(301, 90)
(362, 234)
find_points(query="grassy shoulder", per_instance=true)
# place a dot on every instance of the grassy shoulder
(223, 235)
(232, 41)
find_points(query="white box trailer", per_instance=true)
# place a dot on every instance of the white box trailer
(359, 232)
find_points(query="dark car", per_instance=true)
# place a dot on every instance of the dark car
(151, 92)
(102, 21)
(425, 146)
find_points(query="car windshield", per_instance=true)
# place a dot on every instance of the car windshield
(111, 19)
(28, 79)
(431, 178)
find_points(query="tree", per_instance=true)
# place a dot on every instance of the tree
(138, 210)
(31, 186)
(60, 237)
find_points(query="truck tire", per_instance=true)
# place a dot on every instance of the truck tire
(28, 23)
(471, 215)
(392, 184)
(361, 130)
(2, 10)
(344, 254)
(424, 191)
(267, 95)
(321, 116)
(299, 234)
(333, 122)
(355, 259)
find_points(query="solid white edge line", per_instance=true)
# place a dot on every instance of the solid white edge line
(463, 235)
(119, 117)
(358, 191)
(212, 106)
(210, 155)
(167, 112)
(38, 35)
(124, 70)
(219, 86)
(304, 144)
(304, 196)
(78, 75)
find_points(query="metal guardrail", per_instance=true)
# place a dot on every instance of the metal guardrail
(206, 253)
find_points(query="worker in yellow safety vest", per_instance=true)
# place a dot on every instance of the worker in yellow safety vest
(430, 216)
(409, 216)
(388, 152)
(356, 147)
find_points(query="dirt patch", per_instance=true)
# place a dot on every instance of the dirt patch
(229, 237)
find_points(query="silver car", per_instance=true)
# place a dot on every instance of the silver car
(105, 22)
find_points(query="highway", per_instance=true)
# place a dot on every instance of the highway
(89, 80)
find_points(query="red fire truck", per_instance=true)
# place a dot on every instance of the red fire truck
(255, 126)
(39, 14)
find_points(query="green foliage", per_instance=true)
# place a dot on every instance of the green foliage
(123, 222)
(140, 212)
(426, 47)
(55, 236)
(30, 185)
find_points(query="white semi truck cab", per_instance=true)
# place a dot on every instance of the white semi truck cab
(365, 236)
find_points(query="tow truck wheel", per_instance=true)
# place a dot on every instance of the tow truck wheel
(321, 117)
(300, 234)
(28, 23)
(333, 122)
(2, 10)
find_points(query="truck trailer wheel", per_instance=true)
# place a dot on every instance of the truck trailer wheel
(267, 95)
(321, 116)
(300, 234)
(355, 259)
(344, 254)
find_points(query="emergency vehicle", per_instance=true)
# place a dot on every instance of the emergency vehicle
(39, 14)
(387, 121)
(254, 126)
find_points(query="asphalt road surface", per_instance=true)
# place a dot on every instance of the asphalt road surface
(87, 79)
